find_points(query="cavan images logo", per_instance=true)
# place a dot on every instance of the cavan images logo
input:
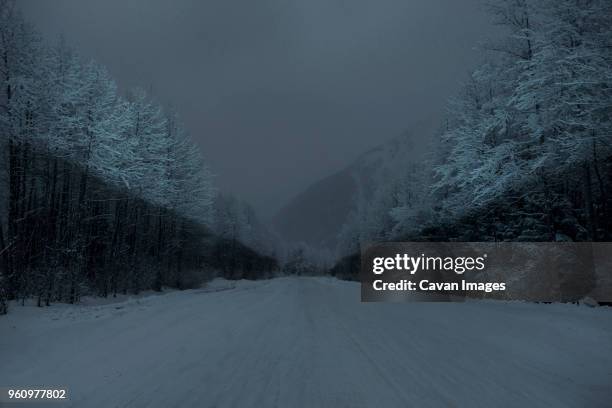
(453, 271)
(406, 264)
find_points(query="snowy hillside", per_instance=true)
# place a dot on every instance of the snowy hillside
(317, 215)
(309, 342)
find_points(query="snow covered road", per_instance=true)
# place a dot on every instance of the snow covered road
(309, 342)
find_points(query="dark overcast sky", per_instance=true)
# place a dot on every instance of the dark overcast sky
(279, 93)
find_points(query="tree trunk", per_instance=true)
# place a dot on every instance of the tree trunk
(588, 201)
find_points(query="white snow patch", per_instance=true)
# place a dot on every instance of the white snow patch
(309, 342)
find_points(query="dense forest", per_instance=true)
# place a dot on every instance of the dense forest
(101, 191)
(525, 151)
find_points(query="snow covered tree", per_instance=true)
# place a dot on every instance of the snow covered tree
(105, 193)
(536, 113)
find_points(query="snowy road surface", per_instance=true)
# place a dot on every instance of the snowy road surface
(309, 342)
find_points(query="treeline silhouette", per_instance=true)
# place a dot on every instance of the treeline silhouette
(101, 193)
(525, 152)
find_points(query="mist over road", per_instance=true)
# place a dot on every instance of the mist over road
(309, 342)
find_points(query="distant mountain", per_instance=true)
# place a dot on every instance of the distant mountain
(317, 215)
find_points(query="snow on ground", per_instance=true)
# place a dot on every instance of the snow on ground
(309, 342)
